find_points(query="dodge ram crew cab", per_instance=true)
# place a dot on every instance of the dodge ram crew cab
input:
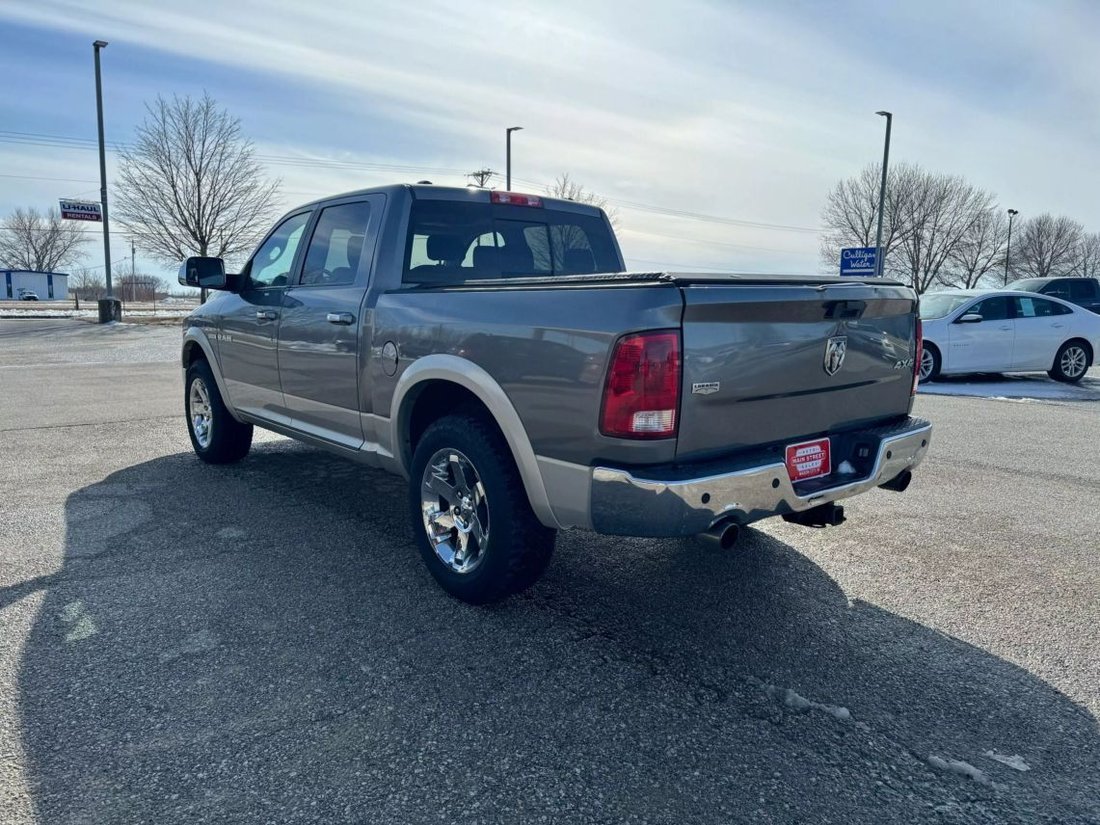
(490, 348)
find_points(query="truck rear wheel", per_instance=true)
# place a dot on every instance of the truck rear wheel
(217, 437)
(471, 519)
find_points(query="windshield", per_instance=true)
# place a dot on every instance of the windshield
(937, 306)
(1027, 284)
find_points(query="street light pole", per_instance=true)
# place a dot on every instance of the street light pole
(102, 44)
(882, 194)
(1012, 213)
(508, 160)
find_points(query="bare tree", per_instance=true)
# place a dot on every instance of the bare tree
(944, 211)
(980, 252)
(1047, 247)
(87, 283)
(850, 215)
(46, 243)
(568, 189)
(1086, 259)
(926, 220)
(190, 184)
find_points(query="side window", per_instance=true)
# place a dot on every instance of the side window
(271, 264)
(1058, 289)
(572, 249)
(993, 309)
(1082, 289)
(336, 247)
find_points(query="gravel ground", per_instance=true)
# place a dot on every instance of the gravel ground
(259, 643)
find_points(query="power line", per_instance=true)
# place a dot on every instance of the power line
(63, 141)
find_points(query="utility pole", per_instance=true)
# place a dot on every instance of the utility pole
(481, 176)
(133, 270)
(508, 166)
(1012, 213)
(109, 308)
(882, 195)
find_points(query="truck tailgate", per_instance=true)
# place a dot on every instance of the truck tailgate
(756, 368)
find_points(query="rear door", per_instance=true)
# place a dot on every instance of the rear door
(250, 322)
(1042, 326)
(783, 362)
(987, 345)
(322, 319)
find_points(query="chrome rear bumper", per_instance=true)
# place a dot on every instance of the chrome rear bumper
(680, 502)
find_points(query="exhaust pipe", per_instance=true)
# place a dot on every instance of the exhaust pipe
(824, 515)
(899, 482)
(721, 536)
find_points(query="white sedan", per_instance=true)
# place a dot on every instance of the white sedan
(975, 330)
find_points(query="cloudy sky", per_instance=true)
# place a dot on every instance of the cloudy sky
(714, 128)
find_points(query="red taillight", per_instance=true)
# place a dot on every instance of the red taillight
(916, 361)
(515, 199)
(642, 395)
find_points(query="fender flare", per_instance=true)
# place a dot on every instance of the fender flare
(197, 337)
(470, 376)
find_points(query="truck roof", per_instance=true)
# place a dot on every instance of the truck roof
(429, 191)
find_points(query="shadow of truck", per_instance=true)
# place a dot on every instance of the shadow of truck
(260, 643)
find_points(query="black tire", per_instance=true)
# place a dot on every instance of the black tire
(1072, 362)
(227, 439)
(518, 547)
(934, 352)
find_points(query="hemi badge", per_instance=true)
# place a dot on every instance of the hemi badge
(706, 388)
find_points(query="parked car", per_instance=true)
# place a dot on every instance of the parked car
(28, 295)
(1085, 292)
(489, 348)
(967, 331)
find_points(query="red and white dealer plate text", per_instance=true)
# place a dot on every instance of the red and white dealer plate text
(809, 459)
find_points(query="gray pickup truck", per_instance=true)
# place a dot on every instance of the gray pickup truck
(489, 347)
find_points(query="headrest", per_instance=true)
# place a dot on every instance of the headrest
(445, 248)
(516, 259)
(354, 250)
(579, 261)
(486, 260)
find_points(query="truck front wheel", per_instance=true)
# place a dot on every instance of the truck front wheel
(470, 515)
(216, 436)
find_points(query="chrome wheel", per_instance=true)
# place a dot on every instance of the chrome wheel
(455, 511)
(1074, 361)
(200, 412)
(927, 364)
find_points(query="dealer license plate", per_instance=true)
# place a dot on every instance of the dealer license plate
(809, 459)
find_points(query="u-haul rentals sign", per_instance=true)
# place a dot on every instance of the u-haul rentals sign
(81, 211)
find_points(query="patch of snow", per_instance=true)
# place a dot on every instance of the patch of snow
(959, 767)
(1016, 387)
(800, 703)
(1014, 762)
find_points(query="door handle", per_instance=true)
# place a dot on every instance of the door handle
(266, 315)
(344, 318)
(1006, 329)
(1057, 326)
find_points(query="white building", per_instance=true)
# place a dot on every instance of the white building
(48, 286)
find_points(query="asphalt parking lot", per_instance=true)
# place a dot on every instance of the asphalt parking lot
(260, 643)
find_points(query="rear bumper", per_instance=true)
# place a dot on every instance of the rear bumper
(685, 500)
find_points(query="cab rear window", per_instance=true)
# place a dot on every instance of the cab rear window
(455, 241)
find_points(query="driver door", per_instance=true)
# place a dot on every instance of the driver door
(250, 323)
(986, 345)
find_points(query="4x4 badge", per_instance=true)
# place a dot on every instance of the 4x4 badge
(835, 350)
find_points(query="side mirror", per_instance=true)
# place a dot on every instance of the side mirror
(206, 273)
(969, 318)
